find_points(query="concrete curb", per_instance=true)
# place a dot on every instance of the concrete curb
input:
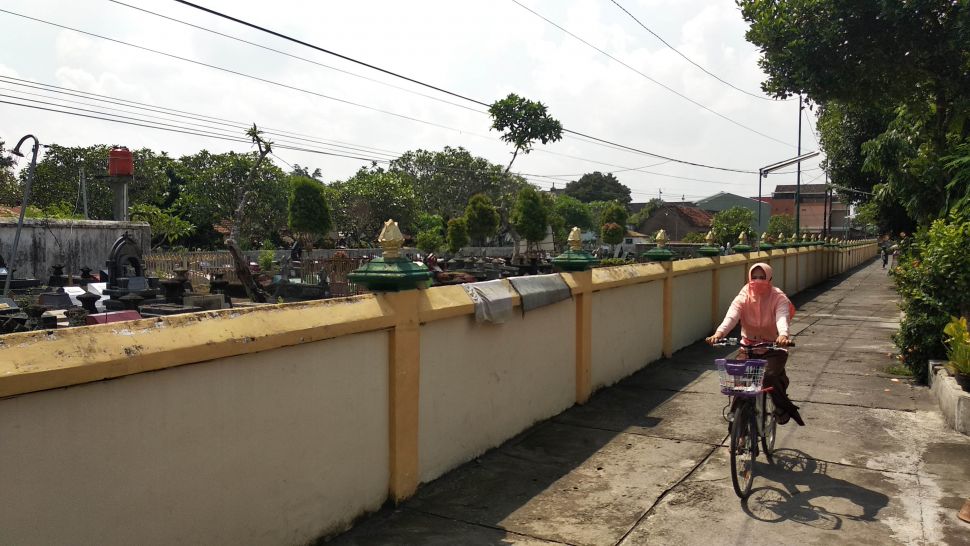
(954, 401)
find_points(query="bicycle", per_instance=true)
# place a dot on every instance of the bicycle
(752, 412)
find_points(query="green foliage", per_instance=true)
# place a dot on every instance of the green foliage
(612, 233)
(958, 344)
(597, 186)
(693, 237)
(362, 203)
(614, 213)
(728, 224)
(457, 234)
(165, 226)
(523, 122)
(643, 214)
(266, 257)
(529, 216)
(482, 218)
(609, 262)
(933, 278)
(10, 191)
(574, 213)
(957, 164)
(781, 223)
(444, 182)
(429, 238)
(309, 213)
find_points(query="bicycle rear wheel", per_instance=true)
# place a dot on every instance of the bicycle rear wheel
(770, 426)
(743, 438)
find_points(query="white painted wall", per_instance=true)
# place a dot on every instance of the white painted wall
(627, 331)
(277, 447)
(731, 279)
(483, 383)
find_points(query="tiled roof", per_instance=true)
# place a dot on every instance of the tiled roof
(9, 211)
(806, 188)
(694, 216)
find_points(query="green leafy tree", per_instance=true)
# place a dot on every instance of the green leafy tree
(643, 214)
(482, 218)
(362, 203)
(781, 223)
(10, 190)
(693, 237)
(429, 227)
(166, 227)
(574, 212)
(309, 212)
(614, 213)
(457, 234)
(597, 186)
(728, 224)
(244, 192)
(445, 181)
(209, 186)
(523, 122)
(529, 216)
(612, 233)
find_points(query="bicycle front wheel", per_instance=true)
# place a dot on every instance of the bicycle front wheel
(743, 438)
(770, 426)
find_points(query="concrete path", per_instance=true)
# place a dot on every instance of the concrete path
(644, 461)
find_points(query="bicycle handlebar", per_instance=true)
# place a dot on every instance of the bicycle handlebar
(733, 341)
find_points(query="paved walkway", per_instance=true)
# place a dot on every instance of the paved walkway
(644, 461)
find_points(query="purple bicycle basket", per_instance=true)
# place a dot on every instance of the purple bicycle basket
(741, 377)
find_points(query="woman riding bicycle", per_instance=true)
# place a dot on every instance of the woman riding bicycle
(764, 312)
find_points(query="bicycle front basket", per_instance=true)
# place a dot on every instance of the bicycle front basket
(740, 377)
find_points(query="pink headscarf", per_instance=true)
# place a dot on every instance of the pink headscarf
(758, 309)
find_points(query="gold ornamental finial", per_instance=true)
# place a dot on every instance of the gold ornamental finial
(709, 237)
(743, 238)
(575, 239)
(661, 239)
(764, 237)
(805, 237)
(781, 236)
(391, 240)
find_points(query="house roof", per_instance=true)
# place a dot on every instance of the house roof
(694, 216)
(631, 233)
(9, 211)
(806, 188)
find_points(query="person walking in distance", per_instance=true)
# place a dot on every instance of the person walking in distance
(764, 312)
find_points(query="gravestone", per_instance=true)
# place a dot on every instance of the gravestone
(125, 275)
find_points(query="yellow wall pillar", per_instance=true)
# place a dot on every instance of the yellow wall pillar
(404, 369)
(668, 310)
(584, 335)
(716, 292)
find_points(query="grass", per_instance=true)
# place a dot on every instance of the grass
(899, 369)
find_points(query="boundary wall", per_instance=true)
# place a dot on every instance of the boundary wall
(282, 424)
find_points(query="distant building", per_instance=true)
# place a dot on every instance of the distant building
(631, 240)
(677, 219)
(723, 201)
(813, 202)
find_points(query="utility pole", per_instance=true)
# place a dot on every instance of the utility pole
(825, 208)
(798, 172)
(84, 194)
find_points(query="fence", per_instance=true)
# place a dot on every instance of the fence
(202, 265)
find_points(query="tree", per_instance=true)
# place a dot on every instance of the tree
(612, 233)
(781, 223)
(165, 226)
(729, 224)
(208, 188)
(445, 181)
(457, 234)
(482, 218)
(614, 213)
(694, 237)
(299, 170)
(529, 216)
(429, 227)
(648, 209)
(574, 212)
(597, 186)
(309, 213)
(244, 193)
(10, 190)
(523, 122)
(362, 203)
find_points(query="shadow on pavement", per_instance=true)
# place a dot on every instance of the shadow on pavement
(802, 480)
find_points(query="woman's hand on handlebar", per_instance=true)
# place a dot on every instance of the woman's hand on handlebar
(714, 339)
(783, 341)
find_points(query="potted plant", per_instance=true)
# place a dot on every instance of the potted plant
(958, 350)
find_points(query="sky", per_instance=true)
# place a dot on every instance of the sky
(481, 49)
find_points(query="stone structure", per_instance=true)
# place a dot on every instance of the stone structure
(125, 274)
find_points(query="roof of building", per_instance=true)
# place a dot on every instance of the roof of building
(9, 211)
(694, 216)
(631, 233)
(806, 188)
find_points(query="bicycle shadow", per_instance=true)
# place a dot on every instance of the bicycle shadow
(804, 480)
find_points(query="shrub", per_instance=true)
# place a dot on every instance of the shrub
(457, 234)
(607, 262)
(958, 344)
(933, 279)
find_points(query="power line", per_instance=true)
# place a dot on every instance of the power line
(596, 140)
(688, 59)
(665, 86)
(304, 59)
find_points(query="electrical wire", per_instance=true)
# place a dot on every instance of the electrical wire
(688, 59)
(665, 86)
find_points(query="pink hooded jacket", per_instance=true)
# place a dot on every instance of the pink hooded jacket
(764, 314)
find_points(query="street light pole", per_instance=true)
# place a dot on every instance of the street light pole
(798, 172)
(23, 207)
